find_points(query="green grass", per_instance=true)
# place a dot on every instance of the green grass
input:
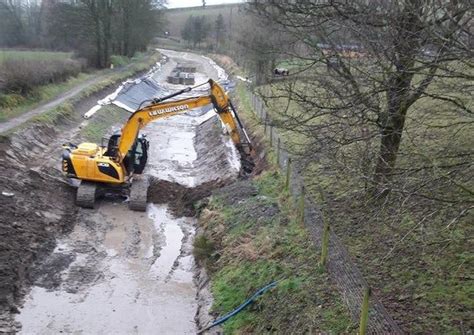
(176, 18)
(6, 54)
(96, 129)
(415, 252)
(15, 104)
(255, 249)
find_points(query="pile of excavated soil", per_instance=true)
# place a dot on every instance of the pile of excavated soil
(183, 201)
(34, 209)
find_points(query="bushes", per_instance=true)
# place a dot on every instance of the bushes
(11, 100)
(119, 61)
(21, 76)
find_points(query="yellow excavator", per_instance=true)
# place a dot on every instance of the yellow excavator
(119, 165)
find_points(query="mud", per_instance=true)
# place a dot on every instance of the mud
(182, 200)
(130, 274)
(39, 209)
(109, 270)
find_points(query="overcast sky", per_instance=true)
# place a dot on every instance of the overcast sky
(191, 3)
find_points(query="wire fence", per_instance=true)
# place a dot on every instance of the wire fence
(341, 269)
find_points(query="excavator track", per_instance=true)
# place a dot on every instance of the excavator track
(139, 193)
(86, 194)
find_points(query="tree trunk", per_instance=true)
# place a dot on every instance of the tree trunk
(98, 45)
(392, 131)
(398, 88)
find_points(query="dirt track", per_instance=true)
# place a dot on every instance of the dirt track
(44, 107)
(109, 269)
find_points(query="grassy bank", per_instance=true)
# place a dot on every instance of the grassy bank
(415, 246)
(13, 104)
(66, 110)
(250, 237)
(98, 128)
(177, 17)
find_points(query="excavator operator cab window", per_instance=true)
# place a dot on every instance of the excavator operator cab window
(137, 156)
(140, 154)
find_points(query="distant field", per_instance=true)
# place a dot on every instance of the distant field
(177, 17)
(32, 55)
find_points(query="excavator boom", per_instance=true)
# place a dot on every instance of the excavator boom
(159, 109)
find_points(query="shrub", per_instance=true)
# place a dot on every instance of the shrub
(10, 100)
(203, 248)
(21, 76)
(119, 61)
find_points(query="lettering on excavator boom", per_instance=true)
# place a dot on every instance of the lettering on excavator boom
(168, 110)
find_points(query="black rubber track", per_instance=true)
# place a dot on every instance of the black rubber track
(86, 194)
(139, 193)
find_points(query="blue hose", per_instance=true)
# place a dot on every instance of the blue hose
(226, 317)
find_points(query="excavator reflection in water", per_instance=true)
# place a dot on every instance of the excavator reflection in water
(120, 164)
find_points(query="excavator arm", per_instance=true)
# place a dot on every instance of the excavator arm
(160, 109)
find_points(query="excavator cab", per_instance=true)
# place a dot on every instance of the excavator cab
(136, 157)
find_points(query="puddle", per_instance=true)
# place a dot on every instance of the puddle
(135, 292)
(173, 236)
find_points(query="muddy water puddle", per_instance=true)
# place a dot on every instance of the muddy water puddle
(143, 281)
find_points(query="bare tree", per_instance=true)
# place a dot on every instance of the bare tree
(382, 57)
(19, 23)
(259, 44)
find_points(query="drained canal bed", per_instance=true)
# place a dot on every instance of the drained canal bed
(133, 278)
(121, 271)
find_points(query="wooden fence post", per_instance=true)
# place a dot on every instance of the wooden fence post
(288, 173)
(271, 136)
(364, 312)
(326, 230)
(278, 151)
(265, 125)
(301, 206)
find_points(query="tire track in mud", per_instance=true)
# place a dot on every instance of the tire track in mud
(120, 271)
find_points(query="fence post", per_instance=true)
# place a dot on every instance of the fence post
(364, 312)
(301, 207)
(278, 151)
(326, 230)
(271, 136)
(288, 173)
(265, 125)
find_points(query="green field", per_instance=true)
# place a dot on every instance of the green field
(177, 17)
(6, 54)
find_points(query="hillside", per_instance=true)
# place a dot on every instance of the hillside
(176, 17)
